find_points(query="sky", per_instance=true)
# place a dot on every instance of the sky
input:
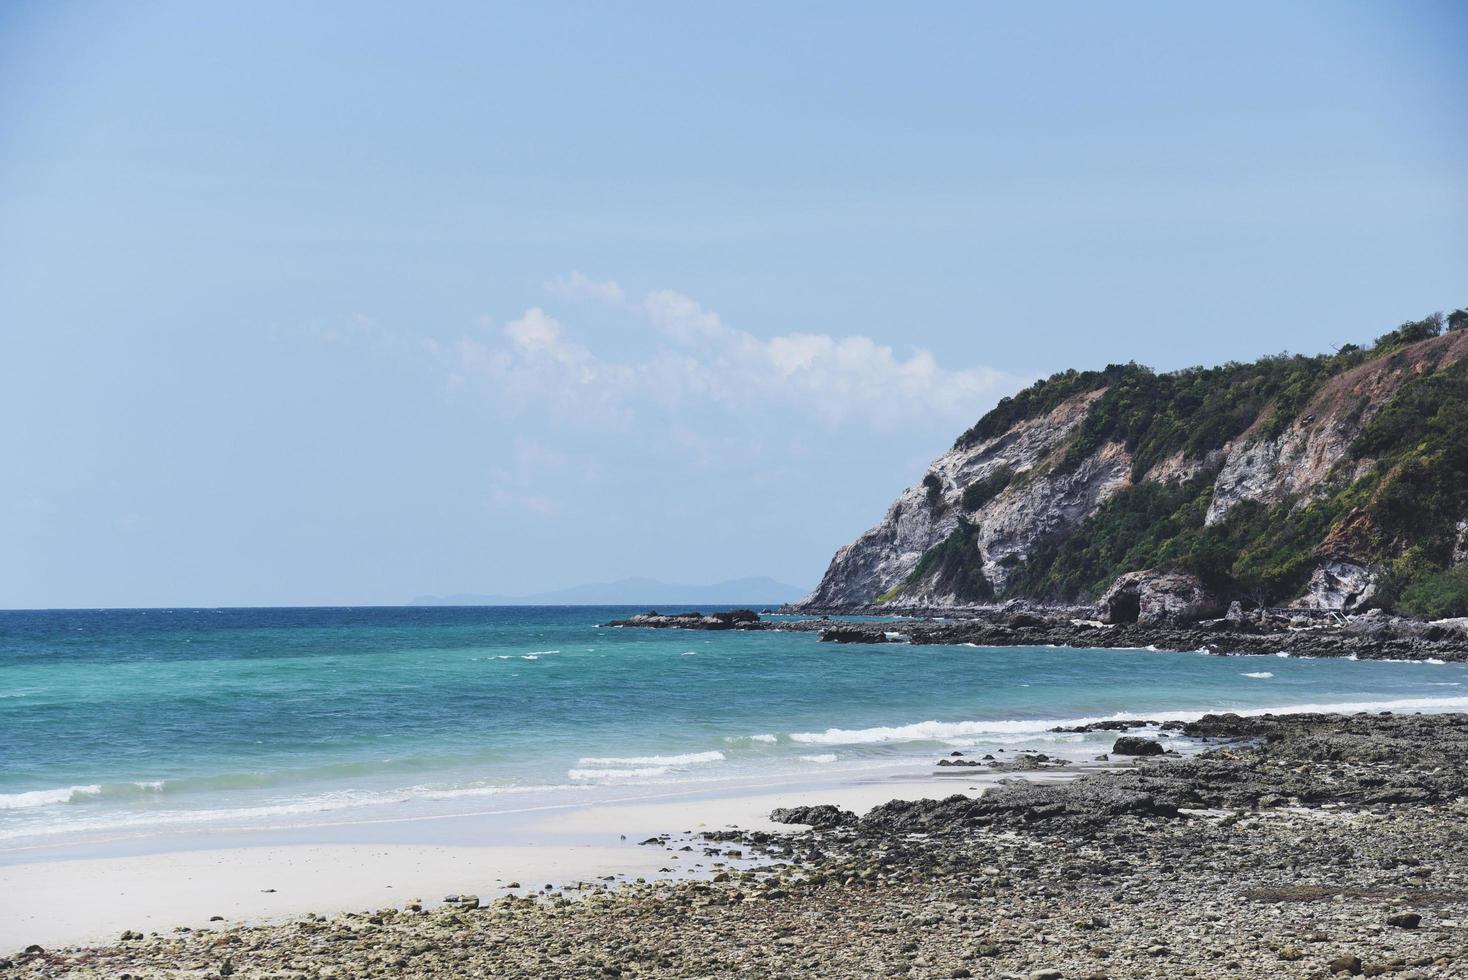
(346, 303)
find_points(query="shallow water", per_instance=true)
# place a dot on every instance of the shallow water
(127, 723)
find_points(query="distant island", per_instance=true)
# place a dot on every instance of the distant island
(755, 590)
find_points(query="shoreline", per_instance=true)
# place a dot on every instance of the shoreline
(262, 878)
(1299, 633)
(1299, 845)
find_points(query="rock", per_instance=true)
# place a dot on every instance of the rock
(1340, 585)
(824, 816)
(1132, 745)
(737, 616)
(852, 635)
(1404, 920)
(1152, 596)
(1291, 953)
(1346, 964)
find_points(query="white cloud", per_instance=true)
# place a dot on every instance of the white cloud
(580, 287)
(701, 366)
(683, 319)
(534, 331)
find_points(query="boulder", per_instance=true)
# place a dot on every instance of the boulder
(1340, 585)
(851, 635)
(1132, 745)
(824, 816)
(737, 616)
(1154, 596)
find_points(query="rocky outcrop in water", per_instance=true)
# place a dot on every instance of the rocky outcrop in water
(1369, 636)
(731, 620)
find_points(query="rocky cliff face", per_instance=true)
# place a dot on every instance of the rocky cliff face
(1300, 460)
(928, 512)
(993, 506)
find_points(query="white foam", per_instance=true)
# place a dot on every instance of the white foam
(47, 797)
(687, 759)
(251, 815)
(766, 739)
(937, 731)
(642, 773)
(820, 759)
(1259, 674)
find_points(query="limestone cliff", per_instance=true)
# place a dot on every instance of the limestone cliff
(1284, 481)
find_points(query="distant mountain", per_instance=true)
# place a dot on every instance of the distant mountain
(755, 591)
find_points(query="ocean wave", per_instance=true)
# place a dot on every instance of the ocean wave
(646, 772)
(252, 815)
(224, 783)
(1259, 674)
(47, 797)
(819, 759)
(938, 731)
(687, 759)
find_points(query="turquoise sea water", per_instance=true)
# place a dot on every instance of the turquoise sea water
(130, 723)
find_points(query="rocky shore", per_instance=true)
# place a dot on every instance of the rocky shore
(1295, 846)
(1302, 633)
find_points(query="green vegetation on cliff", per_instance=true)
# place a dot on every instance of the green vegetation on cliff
(1393, 500)
(949, 565)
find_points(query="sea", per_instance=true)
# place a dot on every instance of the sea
(154, 724)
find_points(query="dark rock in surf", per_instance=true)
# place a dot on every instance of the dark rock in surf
(1131, 745)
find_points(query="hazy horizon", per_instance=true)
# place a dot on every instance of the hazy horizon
(345, 305)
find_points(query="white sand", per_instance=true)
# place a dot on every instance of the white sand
(92, 900)
(61, 902)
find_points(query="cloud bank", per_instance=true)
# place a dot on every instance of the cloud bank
(692, 366)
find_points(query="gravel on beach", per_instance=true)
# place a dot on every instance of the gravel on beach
(1297, 846)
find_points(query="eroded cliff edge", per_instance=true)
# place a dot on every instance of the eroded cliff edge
(1336, 482)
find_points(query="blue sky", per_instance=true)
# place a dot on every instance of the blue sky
(347, 303)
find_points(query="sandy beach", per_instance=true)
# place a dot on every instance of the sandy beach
(60, 902)
(1305, 846)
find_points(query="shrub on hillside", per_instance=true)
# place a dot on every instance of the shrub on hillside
(1437, 595)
